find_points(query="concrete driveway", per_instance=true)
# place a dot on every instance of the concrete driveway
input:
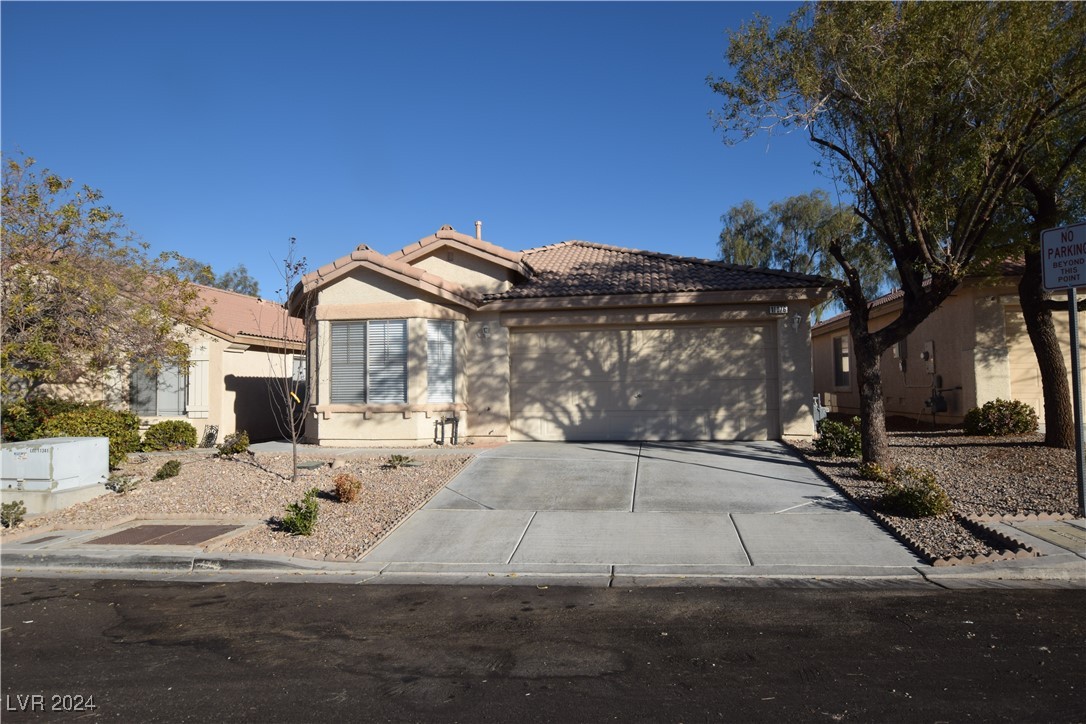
(644, 510)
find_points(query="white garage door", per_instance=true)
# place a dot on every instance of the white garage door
(644, 383)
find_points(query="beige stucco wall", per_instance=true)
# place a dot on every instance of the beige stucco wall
(980, 345)
(467, 270)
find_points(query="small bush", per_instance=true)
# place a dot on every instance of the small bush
(914, 493)
(400, 461)
(1001, 417)
(20, 420)
(874, 471)
(169, 469)
(347, 487)
(839, 439)
(234, 444)
(169, 435)
(11, 514)
(121, 484)
(121, 427)
(301, 517)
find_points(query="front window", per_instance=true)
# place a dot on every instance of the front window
(841, 367)
(158, 394)
(369, 362)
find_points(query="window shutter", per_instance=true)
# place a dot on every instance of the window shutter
(348, 362)
(387, 361)
(440, 368)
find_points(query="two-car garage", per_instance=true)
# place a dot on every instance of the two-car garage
(645, 382)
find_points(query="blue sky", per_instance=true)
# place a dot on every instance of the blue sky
(222, 129)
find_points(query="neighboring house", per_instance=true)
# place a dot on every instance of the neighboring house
(245, 345)
(973, 349)
(574, 341)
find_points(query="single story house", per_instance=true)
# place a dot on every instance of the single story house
(244, 347)
(572, 341)
(973, 349)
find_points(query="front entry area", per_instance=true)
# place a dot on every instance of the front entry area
(665, 382)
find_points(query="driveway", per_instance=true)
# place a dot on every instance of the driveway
(641, 509)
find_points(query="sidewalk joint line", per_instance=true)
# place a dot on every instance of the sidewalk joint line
(521, 539)
(750, 561)
(637, 472)
(465, 497)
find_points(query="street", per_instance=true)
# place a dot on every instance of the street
(175, 652)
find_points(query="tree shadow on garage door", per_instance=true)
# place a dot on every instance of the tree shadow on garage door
(646, 382)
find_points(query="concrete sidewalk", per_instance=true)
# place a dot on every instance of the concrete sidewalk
(595, 514)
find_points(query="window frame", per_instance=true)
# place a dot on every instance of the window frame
(162, 391)
(842, 362)
(384, 370)
(441, 340)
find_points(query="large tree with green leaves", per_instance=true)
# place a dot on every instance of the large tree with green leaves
(81, 296)
(795, 233)
(236, 279)
(928, 114)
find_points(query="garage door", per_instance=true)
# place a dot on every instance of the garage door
(644, 383)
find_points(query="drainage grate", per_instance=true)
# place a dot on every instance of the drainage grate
(164, 535)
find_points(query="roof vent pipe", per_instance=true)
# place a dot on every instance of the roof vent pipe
(479, 230)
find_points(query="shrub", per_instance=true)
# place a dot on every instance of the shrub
(347, 487)
(234, 443)
(169, 435)
(400, 461)
(874, 471)
(11, 514)
(839, 439)
(301, 517)
(1001, 417)
(914, 493)
(20, 420)
(121, 484)
(121, 427)
(169, 469)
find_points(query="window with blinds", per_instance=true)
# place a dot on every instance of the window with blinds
(369, 361)
(440, 367)
(158, 394)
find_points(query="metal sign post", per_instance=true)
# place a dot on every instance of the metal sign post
(1063, 260)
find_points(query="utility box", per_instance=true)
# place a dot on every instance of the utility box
(54, 472)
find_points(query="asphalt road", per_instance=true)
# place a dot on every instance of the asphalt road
(150, 652)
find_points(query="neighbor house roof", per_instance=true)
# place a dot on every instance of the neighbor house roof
(581, 268)
(235, 316)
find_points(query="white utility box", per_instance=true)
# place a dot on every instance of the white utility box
(54, 472)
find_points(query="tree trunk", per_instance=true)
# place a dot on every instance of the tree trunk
(1059, 412)
(876, 443)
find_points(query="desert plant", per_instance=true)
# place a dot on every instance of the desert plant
(347, 487)
(121, 427)
(169, 469)
(234, 443)
(301, 517)
(169, 435)
(11, 514)
(914, 493)
(839, 439)
(122, 484)
(1001, 417)
(400, 461)
(874, 471)
(21, 419)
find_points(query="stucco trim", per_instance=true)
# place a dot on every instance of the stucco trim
(747, 297)
(388, 310)
(326, 411)
(662, 316)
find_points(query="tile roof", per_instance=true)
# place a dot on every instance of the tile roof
(581, 268)
(235, 314)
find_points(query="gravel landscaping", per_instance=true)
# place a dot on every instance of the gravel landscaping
(1004, 476)
(1015, 476)
(258, 487)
